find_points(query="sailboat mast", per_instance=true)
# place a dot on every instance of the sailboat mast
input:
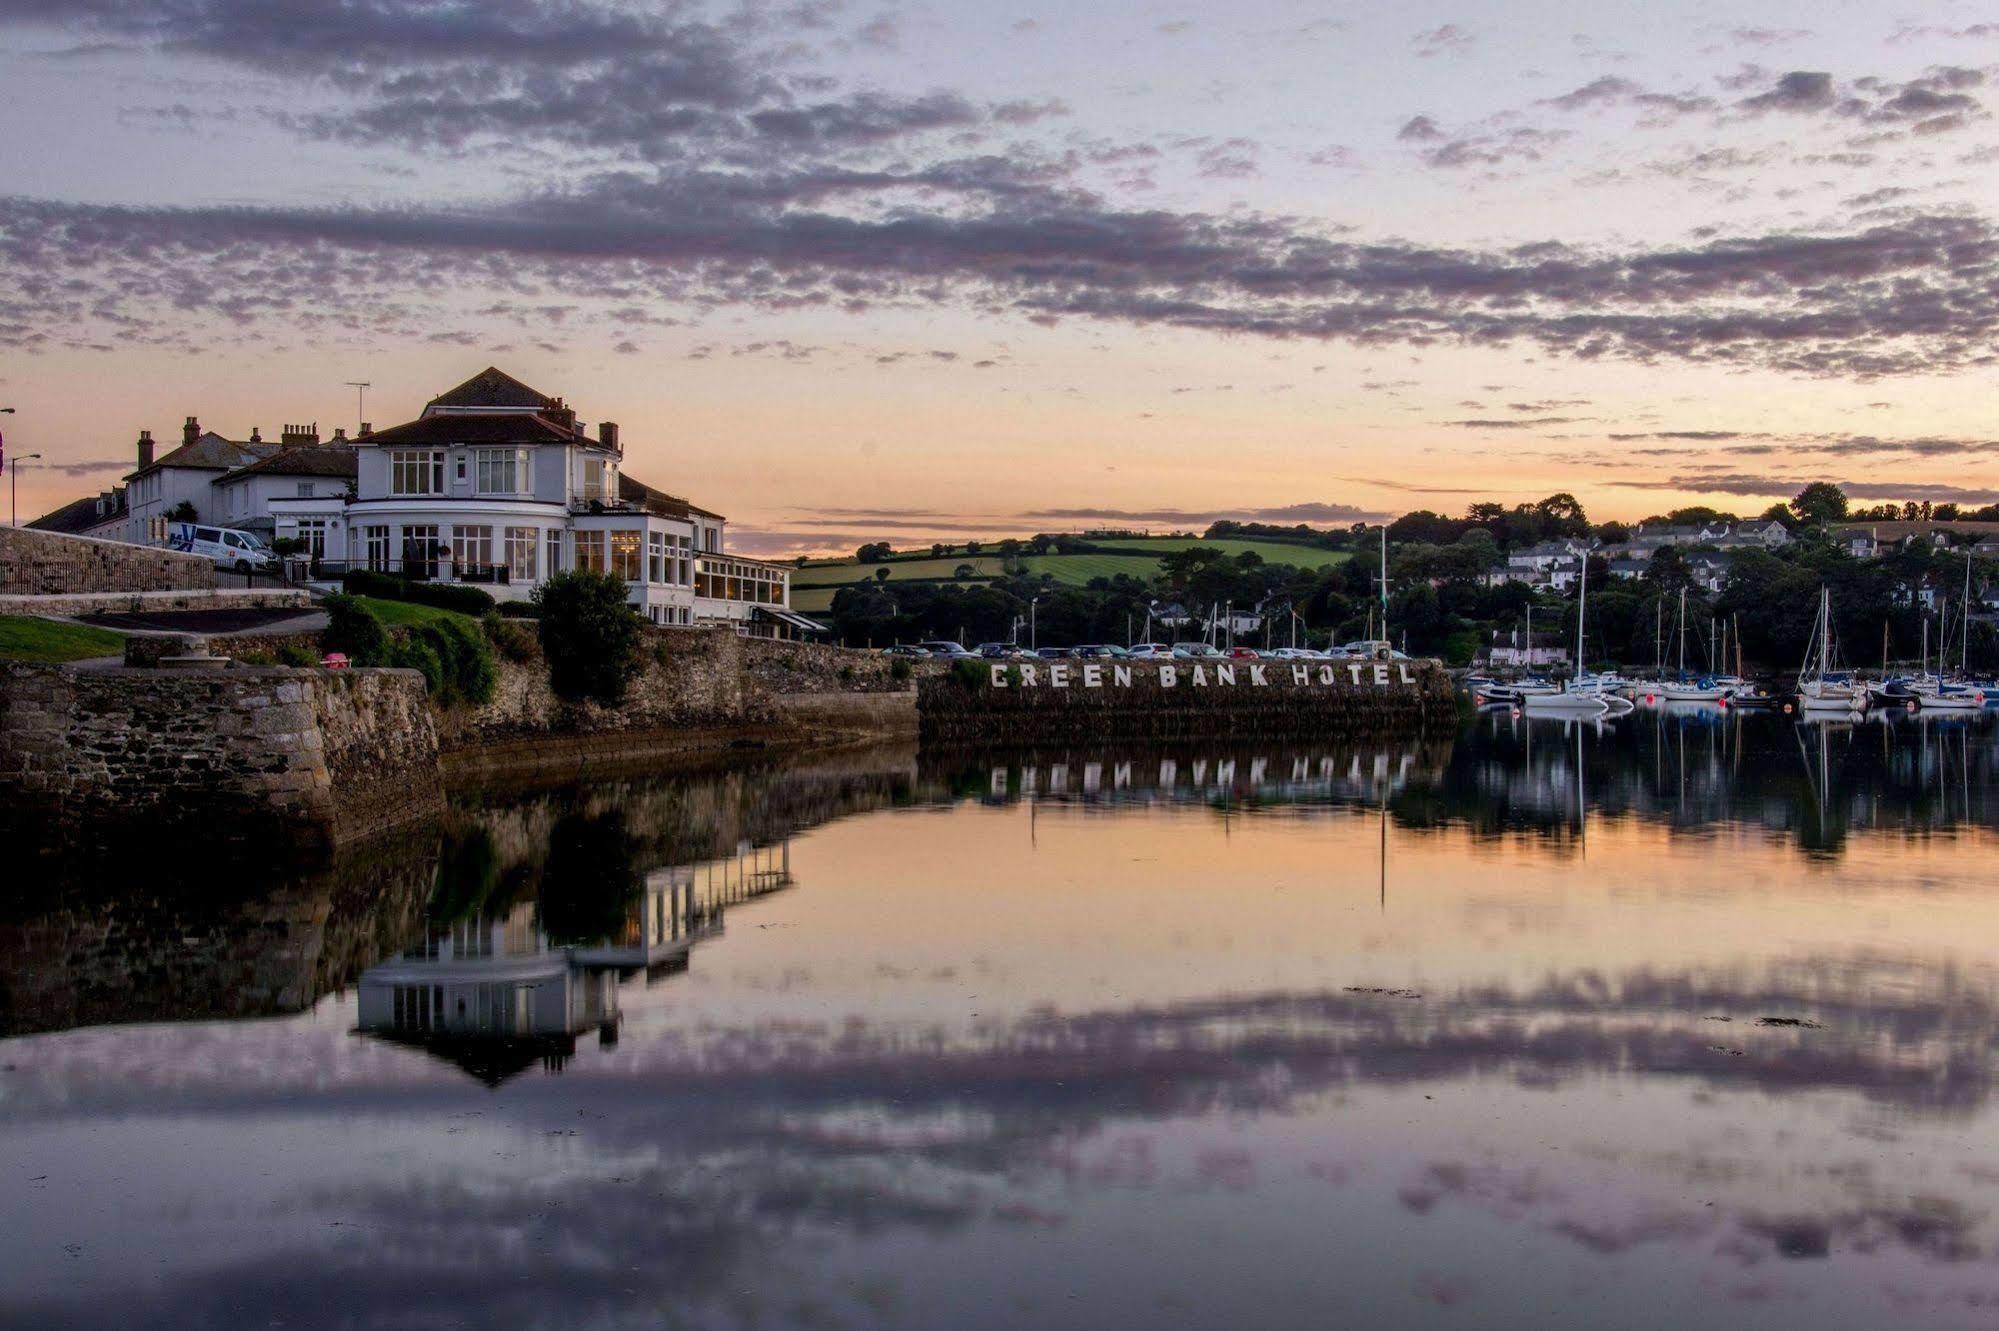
(1582, 601)
(1384, 582)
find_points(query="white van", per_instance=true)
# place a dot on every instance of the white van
(238, 551)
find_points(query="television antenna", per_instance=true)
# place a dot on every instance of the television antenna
(360, 387)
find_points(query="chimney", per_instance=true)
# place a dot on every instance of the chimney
(607, 434)
(145, 449)
(366, 430)
(339, 434)
(190, 431)
(256, 435)
(295, 436)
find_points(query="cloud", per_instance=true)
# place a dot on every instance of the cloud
(727, 185)
(1514, 422)
(1449, 39)
(1285, 513)
(1799, 90)
(119, 465)
(1757, 485)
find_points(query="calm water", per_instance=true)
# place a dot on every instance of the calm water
(1686, 1021)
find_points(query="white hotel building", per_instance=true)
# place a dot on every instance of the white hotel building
(498, 486)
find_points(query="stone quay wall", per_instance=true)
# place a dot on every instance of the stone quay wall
(1092, 700)
(306, 757)
(44, 563)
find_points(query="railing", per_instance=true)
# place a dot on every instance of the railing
(416, 570)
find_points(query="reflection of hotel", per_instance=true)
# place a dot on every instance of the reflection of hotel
(1194, 776)
(496, 994)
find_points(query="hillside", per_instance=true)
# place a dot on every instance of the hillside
(813, 585)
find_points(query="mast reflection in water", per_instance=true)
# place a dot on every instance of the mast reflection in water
(1689, 1019)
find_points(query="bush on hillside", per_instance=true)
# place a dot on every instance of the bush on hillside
(450, 596)
(415, 653)
(589, 635)
(352, 629)
(367, 582)
(520, 609)
(511, 638)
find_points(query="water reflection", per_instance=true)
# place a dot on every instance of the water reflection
(498, 993)
(1686, 1020)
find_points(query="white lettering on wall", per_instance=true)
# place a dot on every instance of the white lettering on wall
(1381, 674)
(1200, 674)
(1027, 676)
(1224, 674)
(1168, 676)
(1093, 676)
(1058, 676)
(1354, 671)
(1121, 676)
(1301, 675)
(999, 676)
(1256, 676)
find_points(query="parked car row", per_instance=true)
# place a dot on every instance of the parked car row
(1144, 651)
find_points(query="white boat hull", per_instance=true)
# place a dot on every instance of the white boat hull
(1564, 704)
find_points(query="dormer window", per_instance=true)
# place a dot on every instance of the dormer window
(596, 482)
(503, 471)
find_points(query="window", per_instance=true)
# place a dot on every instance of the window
(590, 551)
(554, 551)
(625, 555)
(471, 548)
(594, 473)
(520, 553)
(656, 561)
(503, 471)
(375, 542)
(313, 532)
(420, 549)
(305, 489)
(416, 473)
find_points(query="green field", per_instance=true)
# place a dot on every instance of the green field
(25, 638)
(847, 571)
(812, 586)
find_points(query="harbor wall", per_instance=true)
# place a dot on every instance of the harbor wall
(160, 758)
(980, 702)
(46, 563)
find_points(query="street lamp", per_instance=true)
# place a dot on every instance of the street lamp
(14, 486)
(1033, 640)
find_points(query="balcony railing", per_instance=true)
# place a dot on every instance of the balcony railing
(416, 570)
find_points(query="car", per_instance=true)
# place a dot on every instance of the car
(1243, 654)
(1151, 651)
(1195, 651)
(1294, 654)
(1102, 651)
(1055, 653)
(908, 651)
(942, 650)
(226, 547)
(995, 651)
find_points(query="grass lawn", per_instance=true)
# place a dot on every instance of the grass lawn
(846, 574)
(26, 638)
(408, 614)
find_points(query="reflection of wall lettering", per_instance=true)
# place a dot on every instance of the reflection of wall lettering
(1223, 674)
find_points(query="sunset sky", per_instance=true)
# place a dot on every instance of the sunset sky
(854, 271)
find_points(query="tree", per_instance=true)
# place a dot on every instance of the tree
(881, 574)
(874, 552)
(589, 635)
(972, 547)
(183, 512)
(963, 571)
(1820, 503)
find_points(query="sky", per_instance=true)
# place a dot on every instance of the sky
(855, 271)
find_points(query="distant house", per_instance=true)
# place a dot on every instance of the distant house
(1708, 569)
(102, 515)
(1759, 534)
(1550, 564)
(1511, 651)
(302, 471)
(158, 486)
(1645, 539)
(1628, 567)
(1868, 540)
(1169, 614)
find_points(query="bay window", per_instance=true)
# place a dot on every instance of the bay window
(590, 552)
(625, 555)
(520, 553)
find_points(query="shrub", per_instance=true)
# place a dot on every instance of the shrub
(589, 635)
(296, 654)
(470, 661)
(520, 610)
(450, 596)
(367, 582)
(352, 629)
(898, 669)
(511, 638)
(416, 653)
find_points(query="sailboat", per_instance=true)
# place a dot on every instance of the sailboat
(1939, 695)
(1685, 688)
(1585, 697)
(1822, 686)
